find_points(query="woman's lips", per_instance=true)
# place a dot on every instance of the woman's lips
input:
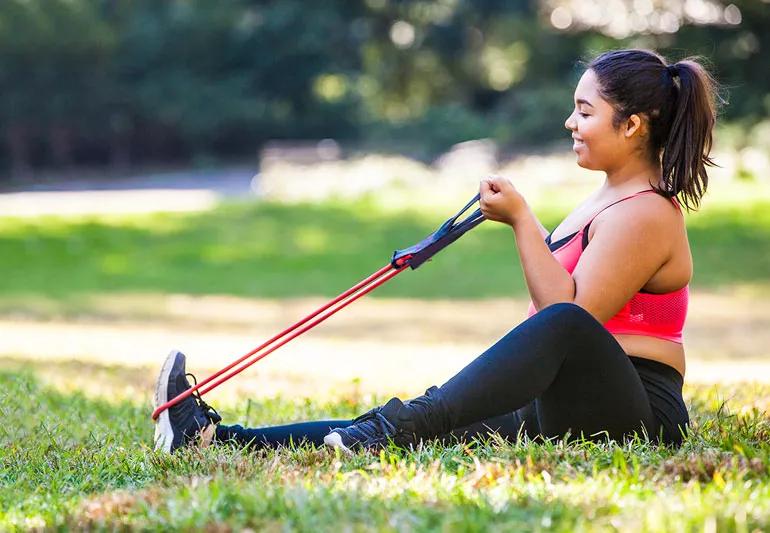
(576, 143)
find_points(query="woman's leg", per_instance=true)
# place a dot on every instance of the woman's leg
(285, 435)
(510, 426)
(562, 358)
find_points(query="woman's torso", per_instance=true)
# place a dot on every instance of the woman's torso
(674, 274)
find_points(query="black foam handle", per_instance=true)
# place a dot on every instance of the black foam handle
(446, 234)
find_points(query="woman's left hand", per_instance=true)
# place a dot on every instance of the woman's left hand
(500, 201)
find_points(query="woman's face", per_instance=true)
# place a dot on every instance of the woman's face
(597, 144)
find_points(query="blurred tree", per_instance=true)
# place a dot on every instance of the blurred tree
(116, 81)
(223, 77)
(53, 55)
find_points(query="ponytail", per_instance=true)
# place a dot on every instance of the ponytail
(687, 147)
(680, 102)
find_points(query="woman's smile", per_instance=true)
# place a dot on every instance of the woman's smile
(577, 143)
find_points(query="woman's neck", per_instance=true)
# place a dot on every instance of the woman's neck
(634, 175)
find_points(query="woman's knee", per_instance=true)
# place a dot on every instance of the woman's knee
(566, 312)
(570, 321)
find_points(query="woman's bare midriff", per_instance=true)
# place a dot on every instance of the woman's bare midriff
(661, 350)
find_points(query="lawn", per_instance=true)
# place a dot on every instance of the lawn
(269, 250)
(75, 443)
(75, 461)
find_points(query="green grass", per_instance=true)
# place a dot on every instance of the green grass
(72, 458)
(72, 461)
(271, 250)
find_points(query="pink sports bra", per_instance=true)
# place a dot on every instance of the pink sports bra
(654, 315)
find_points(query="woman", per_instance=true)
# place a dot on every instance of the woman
(601, 353)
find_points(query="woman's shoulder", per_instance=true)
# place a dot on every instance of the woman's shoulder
(651, 208)
(650, 214)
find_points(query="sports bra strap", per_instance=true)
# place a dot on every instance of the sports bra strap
(615, 202)
(584, 242)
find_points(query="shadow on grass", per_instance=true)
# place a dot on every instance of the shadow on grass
(264, 250)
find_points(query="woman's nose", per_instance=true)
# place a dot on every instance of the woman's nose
(570, 123)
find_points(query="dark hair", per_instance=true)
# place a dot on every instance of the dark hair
(679, 101)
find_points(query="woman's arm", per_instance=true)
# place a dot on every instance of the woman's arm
(543, 231)
(547, 281)
(627, 248)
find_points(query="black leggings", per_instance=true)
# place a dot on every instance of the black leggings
(558, 373)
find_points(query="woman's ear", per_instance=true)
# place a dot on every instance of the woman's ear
(633, 126)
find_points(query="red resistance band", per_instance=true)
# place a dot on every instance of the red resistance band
(413, 257)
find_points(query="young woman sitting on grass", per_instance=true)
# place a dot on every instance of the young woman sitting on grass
(600, 355)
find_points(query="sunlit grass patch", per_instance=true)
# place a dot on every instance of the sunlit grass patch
(264, 250)
(71, 461)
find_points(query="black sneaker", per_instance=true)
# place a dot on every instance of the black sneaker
(375, 429)
(183, 423)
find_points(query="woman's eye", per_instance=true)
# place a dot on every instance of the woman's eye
(584, 115)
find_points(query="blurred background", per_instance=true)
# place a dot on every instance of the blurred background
(198, 175)
(113, 85)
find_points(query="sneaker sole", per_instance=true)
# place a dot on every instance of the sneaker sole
(164, 433)
(334, 440)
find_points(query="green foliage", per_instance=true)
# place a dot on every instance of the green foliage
(438, 128)
(71, 461)
(92, 81)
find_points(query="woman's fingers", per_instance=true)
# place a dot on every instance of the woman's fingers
(499, 198)
(485, 188)
(494, 185)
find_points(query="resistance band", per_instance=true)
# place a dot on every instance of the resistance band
(413, 257)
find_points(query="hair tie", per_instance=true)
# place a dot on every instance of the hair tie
(673, 70)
